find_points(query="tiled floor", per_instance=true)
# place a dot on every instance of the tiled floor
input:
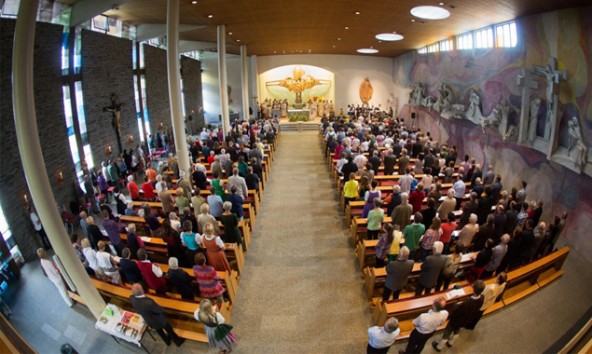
(286, 303)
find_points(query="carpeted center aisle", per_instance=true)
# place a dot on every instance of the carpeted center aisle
(300, 291)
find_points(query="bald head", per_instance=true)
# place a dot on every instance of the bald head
(137, 289)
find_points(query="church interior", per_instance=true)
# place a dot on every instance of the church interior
(94, 92)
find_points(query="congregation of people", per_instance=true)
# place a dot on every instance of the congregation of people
(476, 214)
(187, 222)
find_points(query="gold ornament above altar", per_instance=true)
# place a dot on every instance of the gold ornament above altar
(298, 83)
(366, 91)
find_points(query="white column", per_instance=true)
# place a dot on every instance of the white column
(175, 85)
(31, 156)
(254, 83)
(222, 79)
(245, 81)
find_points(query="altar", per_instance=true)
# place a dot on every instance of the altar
(298, 115)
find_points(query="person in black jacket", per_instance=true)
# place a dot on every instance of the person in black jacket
(180, 280)
(130, 268)
(154, 316)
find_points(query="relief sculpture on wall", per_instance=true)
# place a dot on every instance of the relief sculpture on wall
(366, 91)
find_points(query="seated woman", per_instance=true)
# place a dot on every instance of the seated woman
(106, 265)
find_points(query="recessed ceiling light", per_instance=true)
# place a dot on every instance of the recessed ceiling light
(412, 20)
(238, 40)
(230, 33)
(210, 16)
(274, 52)
(339, 38)
(367, 51)
(430, 12)
(333, 45)
(346, 27)
(441, 4)
(194, 2)
(379, 41)
(389, 37)
(357, 12)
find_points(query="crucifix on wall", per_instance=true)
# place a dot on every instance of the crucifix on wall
(525, 82)
(115, 109)
(553, 76)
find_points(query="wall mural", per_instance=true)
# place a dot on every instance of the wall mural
(526, 110)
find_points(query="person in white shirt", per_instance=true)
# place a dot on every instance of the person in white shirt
(39, 227)
(459, 190)
(104, 262)
(426, 325)
(91, 257)
(238, 182)
(380, 339)
(405, 182)
(54, 275)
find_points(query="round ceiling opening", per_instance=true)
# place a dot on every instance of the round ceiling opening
(430, 12)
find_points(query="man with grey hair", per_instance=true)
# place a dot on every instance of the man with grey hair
(397, 273)
(239, 182)
(154, 316)
(426, 325)
(448, 205)
(498, 254)
(380, 339)
(430, 270)
(402, 213)
(180, 279)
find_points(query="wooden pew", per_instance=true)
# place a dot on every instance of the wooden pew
(374, 278)
(521, 282)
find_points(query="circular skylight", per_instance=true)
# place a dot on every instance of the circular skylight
(367, 50)
(389, 37)
(430, 12)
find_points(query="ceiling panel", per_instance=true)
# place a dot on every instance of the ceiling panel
(319, 27)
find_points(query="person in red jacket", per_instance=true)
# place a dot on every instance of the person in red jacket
(416, 198)
(148, 190)
(132, 187)
(151, 273)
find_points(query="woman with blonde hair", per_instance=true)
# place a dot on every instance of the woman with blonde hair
(181, 200)
(207, 314)
(214, 247)
(204, 218)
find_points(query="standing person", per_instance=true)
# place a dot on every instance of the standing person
(462, 315)
(215, 203)
(450, 268)
(180, 280)
(174, 244)
(129, 267)
(431, 235)
(426, 325)
(350, 189)
(208, 280)
(151, 272)
(402, 213)
(215, 248)
(39, 227)
(413, 234)
(384, 245)
(211, 318)
(380, 339)
(491, 294)
(430, 270)
(232, 233)
(54, 275)
(459, 188)
(448, 226)
(369, 198)
(397, 273)
(113, 228)
(154, 316)
(375, 218)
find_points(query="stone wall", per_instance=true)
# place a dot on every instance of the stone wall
(107, 69)
(157, 89)
(191, 75)
(51, 125)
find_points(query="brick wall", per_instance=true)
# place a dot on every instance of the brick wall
(107, 69)
(191, 75)
(157, 89)
(51, 125)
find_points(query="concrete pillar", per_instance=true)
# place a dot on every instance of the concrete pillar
(223, 79)
(174, 76)
(253, 83)
(32, 158)
(245, 81)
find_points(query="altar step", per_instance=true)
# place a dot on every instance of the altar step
(299, 126)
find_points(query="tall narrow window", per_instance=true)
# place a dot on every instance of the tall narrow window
(464, 41)
(484, 38)
(506, 35)
(446, 45)
(7, 235)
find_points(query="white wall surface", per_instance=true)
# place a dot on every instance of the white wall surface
(349, 70)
